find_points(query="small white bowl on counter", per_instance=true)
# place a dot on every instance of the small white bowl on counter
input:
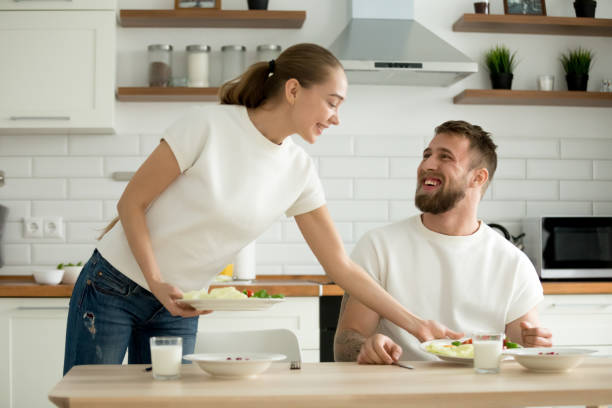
(48, 276)
(71, 273)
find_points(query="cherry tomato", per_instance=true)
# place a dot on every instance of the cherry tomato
(249, 293)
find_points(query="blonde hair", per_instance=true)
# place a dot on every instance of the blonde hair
(108, 227)
(308, 63)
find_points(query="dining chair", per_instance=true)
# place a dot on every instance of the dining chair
(282, 341)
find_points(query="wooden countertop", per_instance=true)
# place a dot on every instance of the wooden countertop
(429, 384)
(289, 285)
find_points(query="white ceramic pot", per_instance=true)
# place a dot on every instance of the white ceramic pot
(71, 273)
(48, 276)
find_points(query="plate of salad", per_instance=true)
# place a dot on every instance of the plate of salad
(457, 351)
(231, 299)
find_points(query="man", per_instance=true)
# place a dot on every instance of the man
(444, 264)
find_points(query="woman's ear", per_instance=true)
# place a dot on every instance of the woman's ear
(292, 87)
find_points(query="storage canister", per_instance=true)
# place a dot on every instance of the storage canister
(267, 52)
(197, 65)
(233, 61)
(160, 64)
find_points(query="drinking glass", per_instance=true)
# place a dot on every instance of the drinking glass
(166, 356)
(487, 352)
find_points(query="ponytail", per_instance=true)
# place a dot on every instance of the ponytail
(108, 227)
(308, 63)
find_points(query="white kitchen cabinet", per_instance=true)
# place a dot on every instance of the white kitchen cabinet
(58, 66)
(579, 321)
(31, 349)
(300, 314)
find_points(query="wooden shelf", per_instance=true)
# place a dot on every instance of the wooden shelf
(212, 18)
(152, 94)
(524, 24)
(546, 98)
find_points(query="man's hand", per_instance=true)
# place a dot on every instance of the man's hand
(431, 330)
(167, 296)
(379, 349)
(535, 336)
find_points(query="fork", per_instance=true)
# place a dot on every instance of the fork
(403, 365)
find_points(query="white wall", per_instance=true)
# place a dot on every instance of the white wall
(552, 159)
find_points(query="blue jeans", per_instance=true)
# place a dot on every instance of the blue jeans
(110, 313)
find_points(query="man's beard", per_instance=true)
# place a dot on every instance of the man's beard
(441, 201)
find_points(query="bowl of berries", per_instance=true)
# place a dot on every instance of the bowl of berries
(234, 365)
(549, 359)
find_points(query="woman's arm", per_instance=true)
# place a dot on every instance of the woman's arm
(152, 178)
(321, 235)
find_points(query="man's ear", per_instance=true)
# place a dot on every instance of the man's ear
(292, 86)
(481, 176)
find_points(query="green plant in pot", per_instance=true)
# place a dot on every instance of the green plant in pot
(577, 64)
(501, 63)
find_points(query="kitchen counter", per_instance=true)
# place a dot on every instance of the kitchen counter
(289, 285)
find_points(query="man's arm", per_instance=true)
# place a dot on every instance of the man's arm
(356, 323)
(526, 331)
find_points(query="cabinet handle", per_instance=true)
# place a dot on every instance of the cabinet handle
(39, 117)
(582, 305)
(42, 308)
(1, 178)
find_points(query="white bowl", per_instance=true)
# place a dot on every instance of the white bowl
(48, 276)
(234, 365)
(549, 359)
(71, 273)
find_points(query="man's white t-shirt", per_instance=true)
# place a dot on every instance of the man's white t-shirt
(234, 184)
(467, 283)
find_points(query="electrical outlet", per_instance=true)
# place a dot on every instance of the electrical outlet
(33, 227)
(53, 227)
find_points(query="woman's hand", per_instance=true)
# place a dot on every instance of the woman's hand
(168, 294)
(431, 330)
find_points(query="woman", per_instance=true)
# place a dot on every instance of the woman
(218, 179)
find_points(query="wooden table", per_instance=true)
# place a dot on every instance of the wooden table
(430, 384)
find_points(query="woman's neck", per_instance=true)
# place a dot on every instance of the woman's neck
(272, 121)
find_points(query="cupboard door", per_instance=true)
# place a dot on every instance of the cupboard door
(58, 71)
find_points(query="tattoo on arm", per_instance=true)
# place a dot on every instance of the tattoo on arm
(347, 345)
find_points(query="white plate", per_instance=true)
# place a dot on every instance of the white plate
(232, 304)
(234, 365)
(540, 359)
(461, 360)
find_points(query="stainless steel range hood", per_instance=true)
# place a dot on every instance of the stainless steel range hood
(384, 45)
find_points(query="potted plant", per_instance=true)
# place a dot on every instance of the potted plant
(501, 63)
(585, 8)
(577, 64)
(71, 272)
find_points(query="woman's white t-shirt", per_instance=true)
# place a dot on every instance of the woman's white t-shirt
(234, 184)
(467, 283)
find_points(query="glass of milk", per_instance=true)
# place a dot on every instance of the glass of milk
(487, 352)
(166, 356)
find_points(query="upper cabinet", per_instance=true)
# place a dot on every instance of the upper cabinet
(58, 66)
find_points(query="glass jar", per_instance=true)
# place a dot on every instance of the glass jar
(267, 52)
(233, 61)
(160, 64)
(197, 65)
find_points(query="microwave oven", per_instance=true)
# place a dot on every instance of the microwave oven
(570, 247)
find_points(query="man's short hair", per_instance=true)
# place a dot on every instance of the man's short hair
(480, 142)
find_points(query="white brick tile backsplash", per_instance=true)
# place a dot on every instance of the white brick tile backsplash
(61, 253)
(16, 166)
(304, 270)
(500, 210)
(33, 189)
(292, 233)
(519, 148)
(148, 143)
(405, 167)
(602, 208)
(560, 169)
(39, 145)
(510, 169)
(353, 167)
(113, 164)
(392, 189)
(83, 232)
(338, 189)
(96, 188)
(17, 209)
(291, 254)
(586, 190)
(77, 210)
(358, 210)
(388, 146)
(525, 190)
(67, 166)
(402, 209)
(272, 234)
(17, 254)
(269, 270)
(328, 145)
(586, 149)
(602, 170)
(98, 145)
(109, 209)
(362, 227)
(539, 208)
